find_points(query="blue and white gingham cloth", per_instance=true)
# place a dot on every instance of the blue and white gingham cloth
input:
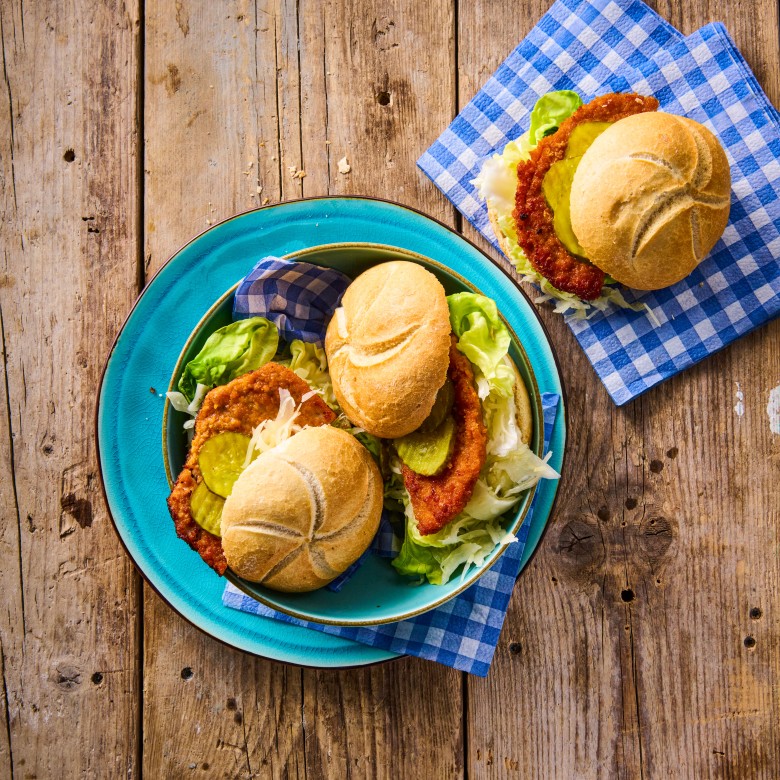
(298, 297)
(599, 46)
(463, 632)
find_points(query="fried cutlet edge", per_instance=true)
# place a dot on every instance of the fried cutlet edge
(208, 546)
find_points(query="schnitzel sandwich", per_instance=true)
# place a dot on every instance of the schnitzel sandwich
(430, 374)
(276, 533)
(612, 191)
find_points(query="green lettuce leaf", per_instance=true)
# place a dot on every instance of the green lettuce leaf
(483, 339)
(309, 362)
(464, 542)
(548, 113)
(230, 352)
(415, 560)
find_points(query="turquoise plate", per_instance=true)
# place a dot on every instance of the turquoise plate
(138, 371)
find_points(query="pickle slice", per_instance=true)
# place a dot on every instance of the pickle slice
(557, 182)
(221, 460)
(556, 187)
(583, 136)
(442, 406)
(427, 452)
(206, 508)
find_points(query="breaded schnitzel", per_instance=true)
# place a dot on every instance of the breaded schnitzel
(239, 407)
(438, 499)
(533, 216)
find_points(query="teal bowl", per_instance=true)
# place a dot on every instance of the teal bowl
(376, 593)
(131, 408)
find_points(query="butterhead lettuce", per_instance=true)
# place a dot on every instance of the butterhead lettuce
(483, 339)
(550, 111)
(230, 352)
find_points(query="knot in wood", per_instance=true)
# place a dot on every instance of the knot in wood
(655, 537)
(580, 547)
(67, 677)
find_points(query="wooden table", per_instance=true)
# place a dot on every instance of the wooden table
(644, 638)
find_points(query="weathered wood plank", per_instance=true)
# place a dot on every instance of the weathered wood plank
(378, 86)
(70, 191)
(624, 649)
(212, 149)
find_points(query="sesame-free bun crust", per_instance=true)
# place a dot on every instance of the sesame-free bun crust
(523, 407)
(303, 512)
(503, 242)
(650, 198)
(388, 348)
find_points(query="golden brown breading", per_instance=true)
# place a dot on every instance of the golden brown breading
(239, 406)
(437, 500)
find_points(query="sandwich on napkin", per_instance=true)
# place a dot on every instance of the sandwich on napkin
(612, 191)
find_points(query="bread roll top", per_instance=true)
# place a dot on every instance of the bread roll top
(303, 512)
(650, 198)
(388, 348)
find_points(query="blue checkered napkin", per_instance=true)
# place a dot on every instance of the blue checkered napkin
(577, 44)
(704, 77)
(462, 633)
(298, 297)
(737, 287)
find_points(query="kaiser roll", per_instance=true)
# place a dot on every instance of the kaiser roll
(303, 512)
(388, 348)
(650, 198)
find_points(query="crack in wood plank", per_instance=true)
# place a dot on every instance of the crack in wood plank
(12, 466)
(7, 715)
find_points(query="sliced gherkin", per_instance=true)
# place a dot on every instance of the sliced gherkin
(427, 452)
(556, 184)
(221, 460)
(206, 508)
(556, 187)
(442, 406)
(583, 136)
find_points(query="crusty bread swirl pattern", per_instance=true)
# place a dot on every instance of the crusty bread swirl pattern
(303, 512)
(650, 199)
(388, 348)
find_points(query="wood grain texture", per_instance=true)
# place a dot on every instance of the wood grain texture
(629, 641)
(251, 114)
(642, 640)
(69, 197)
(372, 85)
(212, 141)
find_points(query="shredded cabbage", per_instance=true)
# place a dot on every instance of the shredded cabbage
(496, 185)
(181, 404)
(269, 433)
